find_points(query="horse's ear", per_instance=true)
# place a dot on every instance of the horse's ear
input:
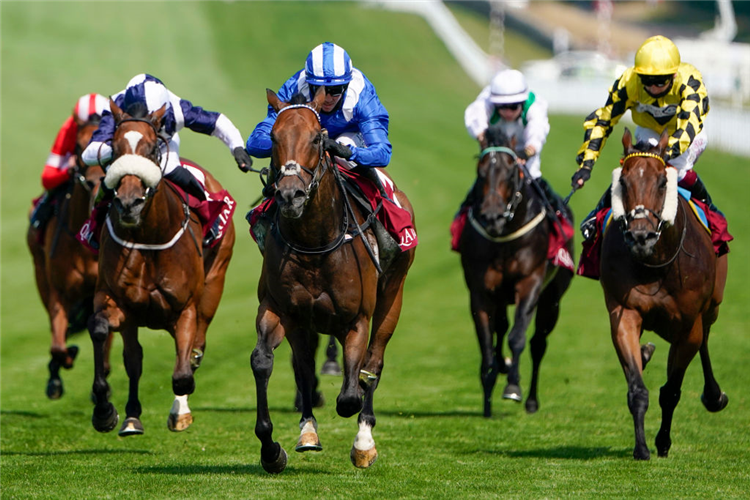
(157, 116)
(627, 140)
(318, 99)
(663, 141)
(117, 113)
(276, 103)
(513, 143)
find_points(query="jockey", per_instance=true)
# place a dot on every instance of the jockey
(148, 91)
(661, 93)
(61, 159)
(508, 104)
(356, 121)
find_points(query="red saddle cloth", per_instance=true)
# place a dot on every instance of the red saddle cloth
(396, 220)
(588, 264)
(214, 214)
(559, 235)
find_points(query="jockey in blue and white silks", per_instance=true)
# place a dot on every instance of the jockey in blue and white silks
(352, 112)
(148, 90)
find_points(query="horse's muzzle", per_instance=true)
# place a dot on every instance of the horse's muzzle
(129, 210)
(291, 202)
(641, 242)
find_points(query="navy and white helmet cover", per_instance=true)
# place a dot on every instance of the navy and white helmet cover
(359, 110)
(180, 113)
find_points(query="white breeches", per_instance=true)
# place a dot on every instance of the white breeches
(686, 160)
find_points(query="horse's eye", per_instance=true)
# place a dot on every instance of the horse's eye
(662, 183)
(316, 140)
(273, 138)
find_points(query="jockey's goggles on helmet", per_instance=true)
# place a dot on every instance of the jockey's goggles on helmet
(512, 106)
(331, 90)
(657, 80)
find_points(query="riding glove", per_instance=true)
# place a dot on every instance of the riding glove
(337, 149)
(583, 174)
(244, 162)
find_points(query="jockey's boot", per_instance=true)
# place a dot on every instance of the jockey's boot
(269, 190)
(553, 198)
(187, 181)
(43, 212)
(372, 174)
(699, 192)
(588, 226)
(91, 233)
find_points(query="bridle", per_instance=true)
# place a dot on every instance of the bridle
(515, 199)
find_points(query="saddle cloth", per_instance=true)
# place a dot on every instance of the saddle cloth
(713, 222)
(557, 251)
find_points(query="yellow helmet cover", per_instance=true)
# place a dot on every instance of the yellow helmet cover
(657, 56)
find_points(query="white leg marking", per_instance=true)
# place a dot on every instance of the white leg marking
(364, 441)
(180, 405)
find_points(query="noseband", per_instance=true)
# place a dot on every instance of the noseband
(641, 212)
(158, 157)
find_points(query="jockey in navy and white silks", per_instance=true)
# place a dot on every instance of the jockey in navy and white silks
(149, 90)
(352, 112)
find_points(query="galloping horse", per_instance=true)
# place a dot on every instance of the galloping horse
(153, 271)
(504, 257)
(318, 278)
(659, 272)
(65, 270)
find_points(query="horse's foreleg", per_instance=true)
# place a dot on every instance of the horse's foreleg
(527, 297)
(108, 317)
(270, 334)
(488, 369)
(625, 325)
(183, 382)
(681, 353)
(132, 355)
(349, 400)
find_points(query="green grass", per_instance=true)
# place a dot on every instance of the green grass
(432, 439)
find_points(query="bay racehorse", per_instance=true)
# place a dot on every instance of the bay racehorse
(504, 257)
(660, 273)
(152, 271)
(318, 278)
(65, 270)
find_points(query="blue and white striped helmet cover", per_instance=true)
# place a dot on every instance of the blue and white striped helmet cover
(146, 89)
(328, 64)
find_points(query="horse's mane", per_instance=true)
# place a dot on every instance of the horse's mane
(298, 98)
(137, 110)
(496, 137)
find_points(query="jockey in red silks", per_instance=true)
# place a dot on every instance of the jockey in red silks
(357, 125)
(61, 159)
(145, 94)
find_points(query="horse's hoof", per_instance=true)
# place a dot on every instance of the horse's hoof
(71, 357)
(195, 359)
(131, 427)
(275, 466)
(363, 459)
(178, 423)
(532, 406)
(54, 388)
(308, 441)
(647, 351)
(330, 367)
(642, 454)
(512, 392)
(108, 422)
(715, 406)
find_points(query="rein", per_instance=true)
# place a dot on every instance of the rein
(679, 247)
(509, 237)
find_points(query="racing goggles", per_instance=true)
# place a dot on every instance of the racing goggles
(655, 80)
(331, 90)
(512, 106)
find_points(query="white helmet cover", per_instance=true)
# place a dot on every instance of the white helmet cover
(508, 87)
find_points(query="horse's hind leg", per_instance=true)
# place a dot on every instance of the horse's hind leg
(489, 368)
(317, 397)
(548, 311)
(61, 356)
(132, 355)
(681, 353)
(270, 334)
(331, 365)
(304, 345)
(183, 382)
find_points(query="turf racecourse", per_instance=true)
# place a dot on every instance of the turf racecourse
(432, 439)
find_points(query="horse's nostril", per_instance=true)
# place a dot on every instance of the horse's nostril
(299, 193)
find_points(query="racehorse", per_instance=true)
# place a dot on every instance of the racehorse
(659, 272)
(153, 271)
(504, 257)
(317, 278)
(65, 270)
